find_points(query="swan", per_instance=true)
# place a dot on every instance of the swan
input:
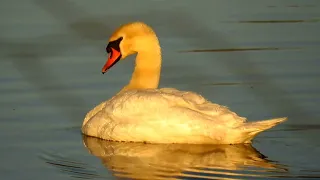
(141, 112)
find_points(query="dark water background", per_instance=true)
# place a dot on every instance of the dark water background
(260, 58)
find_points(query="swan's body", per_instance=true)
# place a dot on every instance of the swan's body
(142, 113)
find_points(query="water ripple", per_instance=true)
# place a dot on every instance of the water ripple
(240, 49)
(71, 167)
(277, 21)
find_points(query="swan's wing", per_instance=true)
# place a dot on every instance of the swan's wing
(169, 103)
(93, 112)
(159, 114)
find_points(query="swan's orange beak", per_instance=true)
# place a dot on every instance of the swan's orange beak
(114, 57)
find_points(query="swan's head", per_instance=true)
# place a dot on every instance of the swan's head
(129, 39)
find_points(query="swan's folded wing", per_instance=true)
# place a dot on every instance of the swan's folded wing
(168, 104)
(142, 114)
(93, 112)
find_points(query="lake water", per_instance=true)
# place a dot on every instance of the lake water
(260, 58)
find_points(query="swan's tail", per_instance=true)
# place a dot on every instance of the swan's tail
(251, 129)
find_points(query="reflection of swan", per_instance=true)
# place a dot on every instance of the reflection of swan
(148, 161)
(145, 114)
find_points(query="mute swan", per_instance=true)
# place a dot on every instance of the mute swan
(142, 113)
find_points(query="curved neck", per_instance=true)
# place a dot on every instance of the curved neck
(146, 74)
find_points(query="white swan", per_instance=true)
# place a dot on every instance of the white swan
(142, 113)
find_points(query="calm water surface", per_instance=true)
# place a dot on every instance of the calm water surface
(260, 58)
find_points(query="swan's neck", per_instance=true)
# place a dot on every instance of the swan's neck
(146, 74)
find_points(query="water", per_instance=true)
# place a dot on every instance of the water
(260, 58)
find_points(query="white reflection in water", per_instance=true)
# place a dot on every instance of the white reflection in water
(156, 161)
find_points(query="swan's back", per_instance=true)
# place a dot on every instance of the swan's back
(161, 115)
(143, 102)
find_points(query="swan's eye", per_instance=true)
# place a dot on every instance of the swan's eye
(108, 49)
(114, 44)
